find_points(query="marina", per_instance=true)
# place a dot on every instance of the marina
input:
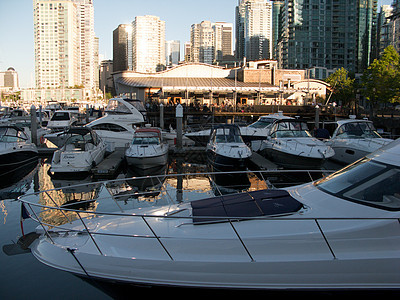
(253, 154)
(113, 188)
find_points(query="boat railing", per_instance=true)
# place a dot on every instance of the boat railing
(186, 220)
(55, 218)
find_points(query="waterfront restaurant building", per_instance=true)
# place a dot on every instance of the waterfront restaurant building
(258, 83)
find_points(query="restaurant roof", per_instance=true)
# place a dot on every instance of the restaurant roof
(179, 83)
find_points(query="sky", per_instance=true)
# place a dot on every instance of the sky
(16, 23)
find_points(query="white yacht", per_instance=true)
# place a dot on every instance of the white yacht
(226, 149)
(62, 120)
(252, 134)
(147, 149)
(289, 144)
(118, 125)
(16, 149)
(258, 131)
(353, 139)
(83, 149)
(340, 232)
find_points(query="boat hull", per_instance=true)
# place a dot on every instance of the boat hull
(11, 161)
(146, 162)
(231, 268)
(291, 161)
(225, 163)
(348, 151)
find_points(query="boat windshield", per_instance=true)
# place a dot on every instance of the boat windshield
(79, 142)
(60, 116)
(12, 135)
(357, 130)
(262, 123)
(289, 129)
(117, 107)
(227, 135)
(367, 182)
(145, 140)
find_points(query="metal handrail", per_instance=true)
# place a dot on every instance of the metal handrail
(25, 199)
(230, 220)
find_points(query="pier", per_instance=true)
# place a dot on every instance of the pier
(110, 166)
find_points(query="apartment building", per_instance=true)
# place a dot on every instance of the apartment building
(148, 44)
(254, 38)
(65, 44)
(210, 42)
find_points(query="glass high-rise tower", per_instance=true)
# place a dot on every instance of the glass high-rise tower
(326, 33)
(254, 29)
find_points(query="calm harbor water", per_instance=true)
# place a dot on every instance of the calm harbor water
(23, 277)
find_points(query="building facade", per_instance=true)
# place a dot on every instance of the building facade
(148, 44)
(172, 52)
(122, 48)
(64, 44)
(210, 42)
(9, 80)
(254, 38)
(329, 34)
(257, 83)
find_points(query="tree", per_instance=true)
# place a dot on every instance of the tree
(380, 81)
(342, 86)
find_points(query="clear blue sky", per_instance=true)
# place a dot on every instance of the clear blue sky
(16, 23)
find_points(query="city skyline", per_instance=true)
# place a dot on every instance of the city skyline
(16, 21)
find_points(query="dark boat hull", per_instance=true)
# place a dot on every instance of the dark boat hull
(13, 160)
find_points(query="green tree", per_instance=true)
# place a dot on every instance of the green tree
(380, 81)
(342, 86)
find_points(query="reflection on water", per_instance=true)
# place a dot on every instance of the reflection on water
(131, 189)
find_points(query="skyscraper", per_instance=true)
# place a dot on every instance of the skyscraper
(64, 43)
(148, 39)
(172, 52)
(210, 42)
(223, 39)
(202, 45)
(329, 34)
(122, 48)
(254, 29)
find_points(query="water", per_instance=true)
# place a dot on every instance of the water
(23, 277)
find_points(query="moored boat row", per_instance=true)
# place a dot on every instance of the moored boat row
(339, 232)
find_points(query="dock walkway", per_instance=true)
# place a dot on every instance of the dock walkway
(110, 165)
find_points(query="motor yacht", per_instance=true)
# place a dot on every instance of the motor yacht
(340, 232)
(16, 149)
(226, 149)
(258, 131)
(252, 134)
(118, 125)
(147, 149)
(290, 144)
(62, 120)
(83, 150)
(353, 139)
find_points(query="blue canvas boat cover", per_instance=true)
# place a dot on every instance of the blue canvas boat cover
(267, 202)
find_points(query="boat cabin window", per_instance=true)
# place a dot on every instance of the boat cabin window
(12, 135)
(357, 130)
(117, 107)
(290, 129)
(262, 123)
(60, 116)
(367, 182)
(109, 127)
(145, 140)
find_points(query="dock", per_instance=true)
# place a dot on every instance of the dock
(110, 166)
(261, 162)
